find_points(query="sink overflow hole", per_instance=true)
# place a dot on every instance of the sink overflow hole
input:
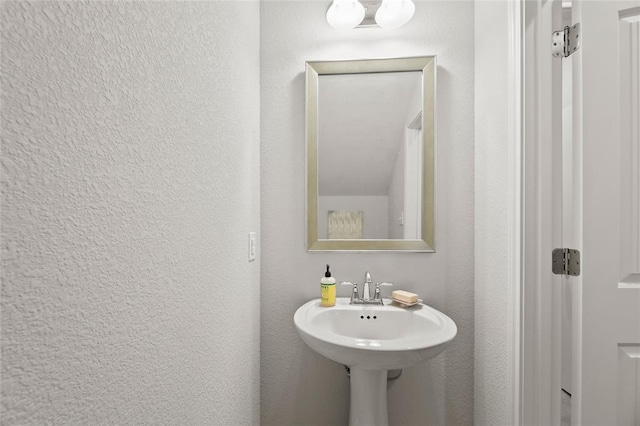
(368, 317)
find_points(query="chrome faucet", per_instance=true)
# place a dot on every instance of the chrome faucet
(366, 294)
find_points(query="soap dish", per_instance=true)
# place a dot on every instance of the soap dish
(404, 304)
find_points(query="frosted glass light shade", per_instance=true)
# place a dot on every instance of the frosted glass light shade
(395, 13)
(345, 14)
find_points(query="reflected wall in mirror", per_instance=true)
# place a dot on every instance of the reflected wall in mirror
(370, 154)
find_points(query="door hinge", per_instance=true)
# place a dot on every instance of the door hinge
(566, 262)
(566, 41)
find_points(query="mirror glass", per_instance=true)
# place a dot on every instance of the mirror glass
(370, 167)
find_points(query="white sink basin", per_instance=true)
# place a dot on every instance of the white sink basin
(374, 337)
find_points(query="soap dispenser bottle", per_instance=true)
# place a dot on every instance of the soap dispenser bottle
(328, 289)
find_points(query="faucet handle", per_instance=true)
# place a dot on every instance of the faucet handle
(378, 295)
(354, 292)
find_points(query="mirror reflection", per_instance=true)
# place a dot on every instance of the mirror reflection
(369, 173)
(370, 154)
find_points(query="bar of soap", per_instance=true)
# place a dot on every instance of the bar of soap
(404, 296)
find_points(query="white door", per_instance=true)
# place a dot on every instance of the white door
(606, 334)
(413, 180)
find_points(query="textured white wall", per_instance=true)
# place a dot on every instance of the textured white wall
(299, 386)
(491, 213)
(130, 150)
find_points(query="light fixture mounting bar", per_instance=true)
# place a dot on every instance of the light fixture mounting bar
(370, 9)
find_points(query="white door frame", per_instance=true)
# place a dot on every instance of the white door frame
(534, 322)
(515, 200)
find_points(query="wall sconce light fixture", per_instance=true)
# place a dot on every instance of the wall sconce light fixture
(395, 13)
(346, 14)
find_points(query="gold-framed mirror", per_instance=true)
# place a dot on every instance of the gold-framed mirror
(370, 152)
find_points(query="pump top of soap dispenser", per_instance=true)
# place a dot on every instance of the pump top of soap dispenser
(327, 279)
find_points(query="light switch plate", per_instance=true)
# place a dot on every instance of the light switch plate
(253, 246)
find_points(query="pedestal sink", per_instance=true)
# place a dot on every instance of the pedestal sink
(370, 340)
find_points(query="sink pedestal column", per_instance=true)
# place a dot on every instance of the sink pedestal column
(368, 405)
